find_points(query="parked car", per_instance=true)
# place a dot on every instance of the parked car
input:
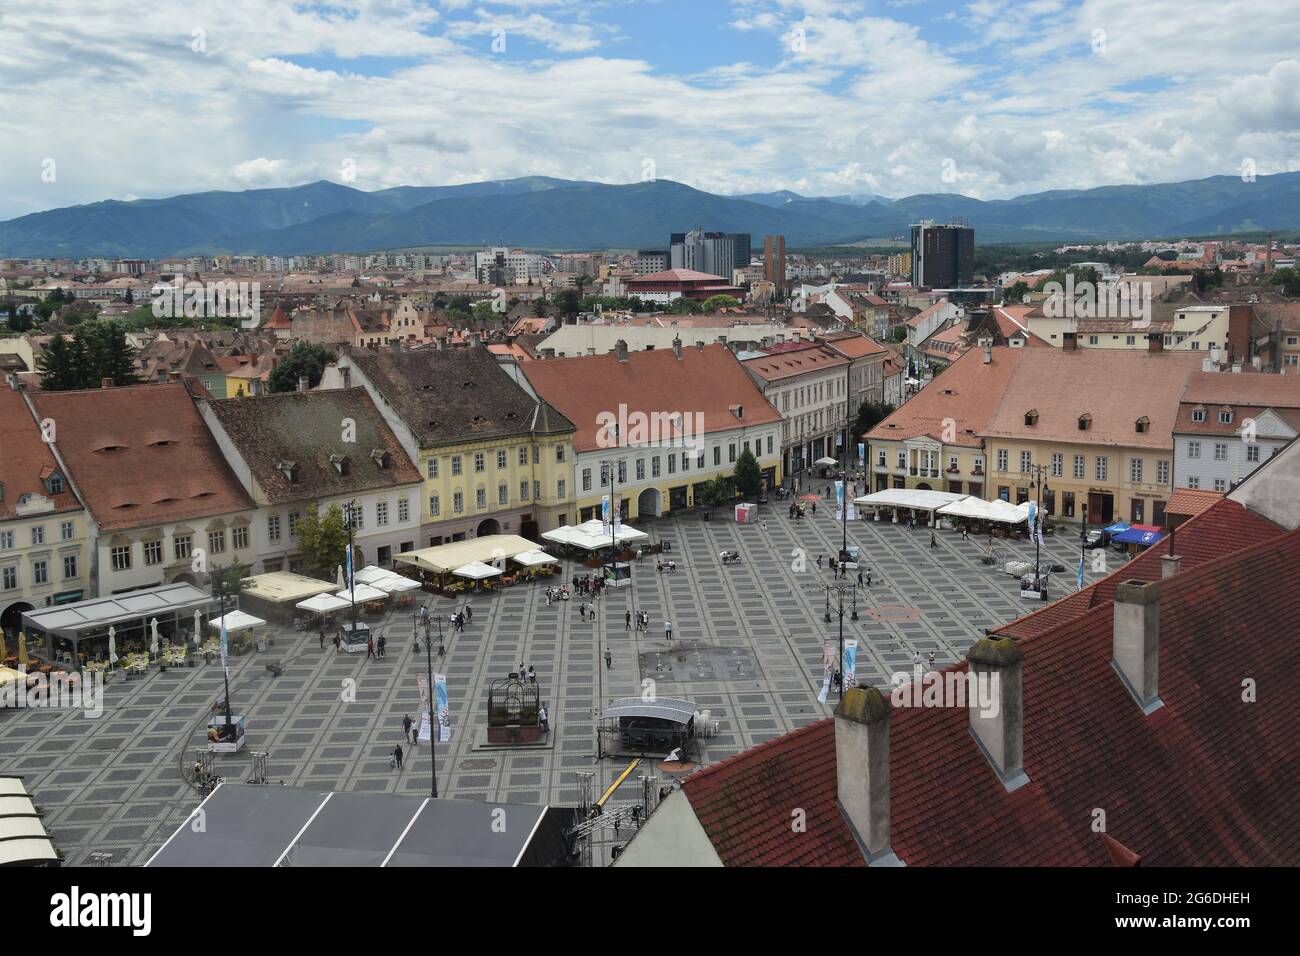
(1096, 538)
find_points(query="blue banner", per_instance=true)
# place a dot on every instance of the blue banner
(225, 661)
(444, 710)
(850, 663)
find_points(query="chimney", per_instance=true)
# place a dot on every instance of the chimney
(1169, 565)
(302, 383)
(699, 345)
(1135, 647)
(548, 353)
(1069, 341)
(441, 343)
(999, 728)
(677, 346)
(394, 345)
(987, 345)
(1155, 342)
(862, 771)
(105, 383)
(620, 350)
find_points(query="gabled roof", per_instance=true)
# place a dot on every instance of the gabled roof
(25, 459)
(794, 359)
(141, 455)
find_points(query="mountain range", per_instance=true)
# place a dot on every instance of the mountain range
(544, 213)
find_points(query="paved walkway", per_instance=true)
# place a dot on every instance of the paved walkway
(747, 646)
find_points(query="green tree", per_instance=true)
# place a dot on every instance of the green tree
(306, 358)
(108, 353)
(1015, 293)
(227, 578)
(749, 477)
(539, 308)
(57, 366)
(714, 492)
(323, 541)
(898, 333)
(17, 321)
(716, 303)
(870, 414)
(685, 306)
(569, 302)
(483, 311)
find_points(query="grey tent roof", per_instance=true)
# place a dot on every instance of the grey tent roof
(662, 708)
(253, 825)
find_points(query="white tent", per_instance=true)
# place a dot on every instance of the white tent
(999, 511)
(476, 570)
(826, 462)
(393, 583)
(363, 593)
(370, 574)
(592, 535)
(914, 498)
(235, 621)
(532, 559)
(323, 604)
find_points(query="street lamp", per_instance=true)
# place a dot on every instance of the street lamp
(225, 665)
(1040, 483)
(433, 734)
(840, 590)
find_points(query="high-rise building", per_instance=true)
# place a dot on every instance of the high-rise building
(713, 253)
(650, 261)
(943, 256)
(774, 261)
(744, 247)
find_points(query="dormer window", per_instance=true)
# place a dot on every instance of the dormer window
(1225, 416)
(341, 464)
(1143, 425)
(1085, 420)
(289, 469)
(1198, 415)
(1031, 418)
(54, 484)
(380, 457)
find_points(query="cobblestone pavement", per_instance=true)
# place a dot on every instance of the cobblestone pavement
(747, 646)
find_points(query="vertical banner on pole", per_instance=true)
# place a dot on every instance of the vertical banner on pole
(850, 662)
(225, 661)
(862, 455)
(426, 728)
(352, 583)
(444, 710)
(604, 512)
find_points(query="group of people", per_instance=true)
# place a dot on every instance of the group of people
(799, 509)
(663, 566)
(555, 594)
(591, 583)
(840, 569)
(461, 618)
(641, 619)
(376, 648)
(527, 673)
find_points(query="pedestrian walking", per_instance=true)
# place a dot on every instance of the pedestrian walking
(859, 577)
(406, 726)
(370, 648)
(932, 660)
(868, 577)
(322, 637)
(469, 613)
(609, 659)
(668, 630)
(814, 507)
(382, 644)
(543, 719)
(763, 524)
(933, 543)
(582, 611)
(627, 621)
(336, 643)
(532, 675)
(819, 562)
(965, 533)
(397, 756)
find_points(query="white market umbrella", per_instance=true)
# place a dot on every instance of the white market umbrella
(532, 559)
(112, 645)
(826, 462)
(394, 583)
(370, 574)
(235, 621)
(363, 593)
(476, 570)
(323, 603)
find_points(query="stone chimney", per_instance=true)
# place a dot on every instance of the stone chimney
(620, 350)
(1155, 342)
(1069, 341)
(987, 346)
(1169, 565)
(105, 383)
(677, 346)
(1135, 646)
(441, 343)
(999, 728)
(699, 345)
(475, 340)
(862, 771)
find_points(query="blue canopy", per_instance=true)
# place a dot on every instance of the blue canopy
(1138, 536)
(1116, 528)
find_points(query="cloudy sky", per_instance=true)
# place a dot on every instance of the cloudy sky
(101, 99)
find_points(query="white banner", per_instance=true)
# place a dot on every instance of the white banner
(444, 710)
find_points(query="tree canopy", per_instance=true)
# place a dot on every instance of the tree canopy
(306, 358)
(749, 477)
(323, 541)
(98, 350)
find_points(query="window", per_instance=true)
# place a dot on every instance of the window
(717, 455)
(239, 534)
(381, 514)
(731, 452)
(523, 491)
(1220, 451)
(1002, 459)
(455, 464)
(478, 461)
(1225, 417)
(403, 510)
(1135, 469)
(1103, 467)
(433, 505)
(182, 546)
(537, 489)
(38, 534)
(586, 479)
(433, 468)
(1193, 449)
(686, 461)
(121, 558)
(979, 463)
(69, 566)
(1092, 340)
(153, 552)
(503, 494)
(654, 467)
(1079, 467)
(1026, 461)
(355, 516)
(672, 464)
(523, 454)
(952, 462)
(216, 542)
(1162, 472)
(458, 502)
(1193, 482)
(640, 468)
(880, 459)
(1252, 452)
(769, 448)
(68, 530)
(480, 498)
(604, 475)
(9, 579)
(501, 457)
(40, 572)
(6, 540)
(699, 462)
(273, 527)
(1058, 464)
(622, 472)
(1130, 340)
(537, 458)
(559, 488)
(902, 459)
(1198, 414)
(559, 454)
(1220, 484)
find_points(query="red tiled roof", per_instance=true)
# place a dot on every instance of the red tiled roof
(1191, 501)
(141, 455)
(794, 359)
(1205, 780)
(25, 459)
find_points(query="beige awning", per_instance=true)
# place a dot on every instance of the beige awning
(282, 587)
(457, 554)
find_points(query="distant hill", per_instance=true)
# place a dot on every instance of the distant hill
(546, 213)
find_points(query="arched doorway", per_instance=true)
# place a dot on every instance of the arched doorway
(185, 578)
(923, 486)
(487, 526)
(11, 621)
(648, 503)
